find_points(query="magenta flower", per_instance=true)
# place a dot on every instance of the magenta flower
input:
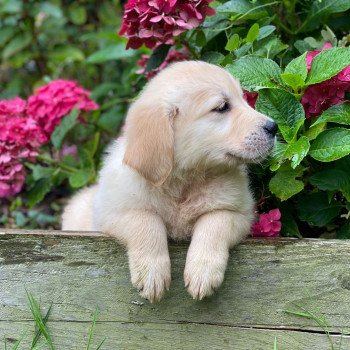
(53, 101)
(319, 97)
(173, 56)
(251, 98)
(269, 224)
(12, 172)
(19, 138)
(151, 22)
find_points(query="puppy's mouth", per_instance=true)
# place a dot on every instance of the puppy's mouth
(250, 154)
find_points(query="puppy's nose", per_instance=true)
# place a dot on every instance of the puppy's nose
(270, 128)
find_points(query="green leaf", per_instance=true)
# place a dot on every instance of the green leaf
(80, 178)
(265, 31)
(256, 73)
(102, 90)
(64, 127)
(331, 144)
(77, 14)
(66, 53)
(232, 43)
(284, 109)
(344, 232)
(244, 8)
(111, 53)
(11, 6)
(278, 155)
(213, 57)
(327, 64)
(51, 9)
(39, 171)
(295, 81)
(240, 52)
(289, 225)
(314, 131)
(157, 58)
(37, 193)
(298, 66)
(86, 158)
(316, 209)
(336, 114)
(284, 184)
(112, 119)
(18, 43)
(322, 8)
(335, 178)
(201, 39)
(20, 218)
(331, 180)
(6, 33)
(252, 33)
(297, 151)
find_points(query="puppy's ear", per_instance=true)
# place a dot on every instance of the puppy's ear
(150, 141)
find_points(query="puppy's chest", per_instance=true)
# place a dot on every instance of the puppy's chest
(181, 207)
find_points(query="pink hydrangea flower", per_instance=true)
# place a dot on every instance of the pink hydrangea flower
(151, 22)
(53, 101)
(269, 224)
(173, 56)
(251, 98)
(12, 171)
(19, 137)
(319, 97)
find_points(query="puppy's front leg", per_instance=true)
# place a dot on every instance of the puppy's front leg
(214, 234)
(145, 236)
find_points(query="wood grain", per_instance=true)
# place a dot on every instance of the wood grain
(80, 274)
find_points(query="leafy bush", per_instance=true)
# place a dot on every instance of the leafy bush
(291, 57)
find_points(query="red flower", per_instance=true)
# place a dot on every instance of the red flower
(251, 98)
(151, 22)
(268, 224)
(319, 97)
(173, 56)
(55, 100)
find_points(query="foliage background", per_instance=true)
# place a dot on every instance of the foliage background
(45, 40)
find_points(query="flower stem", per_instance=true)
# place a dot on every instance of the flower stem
(55, 162)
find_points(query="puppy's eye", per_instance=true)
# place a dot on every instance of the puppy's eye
(222, 108)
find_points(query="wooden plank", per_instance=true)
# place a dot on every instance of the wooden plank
(164, 336)
(264, 277)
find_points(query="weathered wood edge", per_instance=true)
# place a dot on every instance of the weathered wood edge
(98, 234)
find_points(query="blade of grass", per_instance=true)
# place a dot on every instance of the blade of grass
(99, 347)
(40, 346)
(34, 307)
(321, 321)
(19, 341)
(92, 330)
(38, 331)
(275, 344)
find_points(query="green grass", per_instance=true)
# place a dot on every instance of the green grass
(42, 333)
(320, 320)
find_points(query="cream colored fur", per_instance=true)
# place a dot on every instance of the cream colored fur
(179, 172)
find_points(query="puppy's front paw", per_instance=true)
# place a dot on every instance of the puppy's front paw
(151, 276)
(204, 274)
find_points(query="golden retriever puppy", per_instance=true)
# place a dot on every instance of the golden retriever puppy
(179, 172)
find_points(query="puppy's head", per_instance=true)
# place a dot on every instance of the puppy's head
(193, 114)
